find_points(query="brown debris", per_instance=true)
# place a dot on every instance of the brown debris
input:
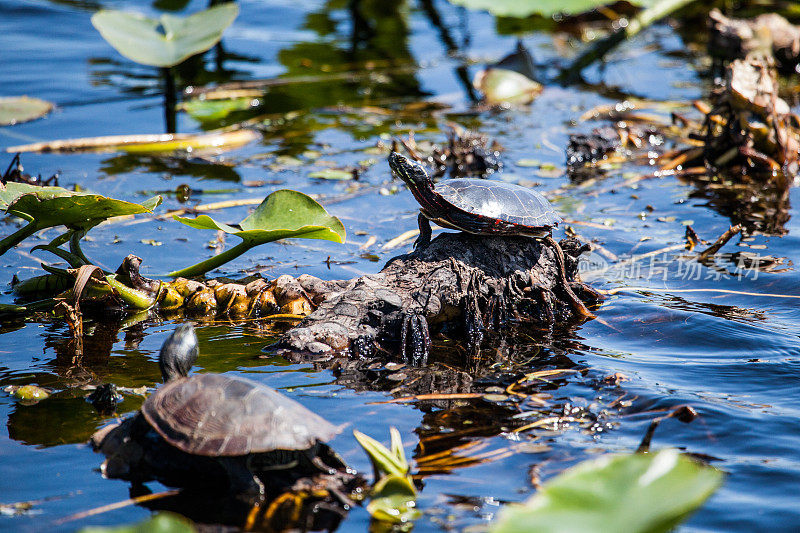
(750, 129)
(768, 34)
(466, 154)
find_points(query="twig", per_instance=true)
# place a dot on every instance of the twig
(720, 242)
(684, 413)
(116, 505)
(611, 292)
(400, 239)
(444, 396)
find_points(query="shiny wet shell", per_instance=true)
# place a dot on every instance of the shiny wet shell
(217, 415)
(499, 200)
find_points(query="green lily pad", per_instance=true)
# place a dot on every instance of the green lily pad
(283, 214)
(16, 109)
(631, 493)
(56, 206)
(545, 8)
(331, 174)
(28, 393)
(160, 523)
(45, 207)
(204, 110)
(394, 500)
(139, 38)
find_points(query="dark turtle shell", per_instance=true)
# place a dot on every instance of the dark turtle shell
(219, 415)
(499, 200)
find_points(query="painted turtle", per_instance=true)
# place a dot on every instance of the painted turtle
(483, 207)
(216, 431)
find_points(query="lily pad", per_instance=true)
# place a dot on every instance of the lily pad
(331, 174)
(283, 214)
(546, 8)
(632, 493)
(55, 206)
(28, 393)
(16, 109)
(45, 207)
(168, 40)
(208, 110)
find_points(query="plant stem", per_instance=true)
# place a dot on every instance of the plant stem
(17, 237)
(170, 99)
(213, 262)
(73, 260)
(599, 49)
(75, 246)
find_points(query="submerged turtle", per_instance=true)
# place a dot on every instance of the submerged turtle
(483, 207)
(216, 431)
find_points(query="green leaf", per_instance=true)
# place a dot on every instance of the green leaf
(394, 500)
(546, 8)
(46, 207)
(331, 174)
(209, 110)
(397, 446)
(631, 493)
(28, 393)
(384, 462)
(160, 523)
(283, 214)
(138, 37)
(74, 210)
(16, 109)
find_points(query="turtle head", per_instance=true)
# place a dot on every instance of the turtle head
(411, 172)
(178, 353)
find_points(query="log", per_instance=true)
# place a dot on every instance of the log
(463, 284)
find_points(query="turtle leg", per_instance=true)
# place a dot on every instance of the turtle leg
(414, 323)
(577, 304)
(425, 233)
(241, 481)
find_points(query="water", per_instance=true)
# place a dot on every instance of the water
(734, 358)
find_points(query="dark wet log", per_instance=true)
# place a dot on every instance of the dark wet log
(463, 284)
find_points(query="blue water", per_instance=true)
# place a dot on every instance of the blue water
(733, 358)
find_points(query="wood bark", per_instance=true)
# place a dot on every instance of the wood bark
(461, 284)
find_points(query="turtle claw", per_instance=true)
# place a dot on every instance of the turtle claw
(414, 322)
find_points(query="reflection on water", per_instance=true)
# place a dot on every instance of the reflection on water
(509, 423)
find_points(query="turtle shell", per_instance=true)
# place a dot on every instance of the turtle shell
(220, 415)
(499, 200)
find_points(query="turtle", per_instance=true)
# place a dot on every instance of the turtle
(216, 431)
(483, 207)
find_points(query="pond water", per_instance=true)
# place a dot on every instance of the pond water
(731, 356)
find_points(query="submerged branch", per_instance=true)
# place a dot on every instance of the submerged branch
(599, 49)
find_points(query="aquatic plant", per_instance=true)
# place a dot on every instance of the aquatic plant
(636, 493)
